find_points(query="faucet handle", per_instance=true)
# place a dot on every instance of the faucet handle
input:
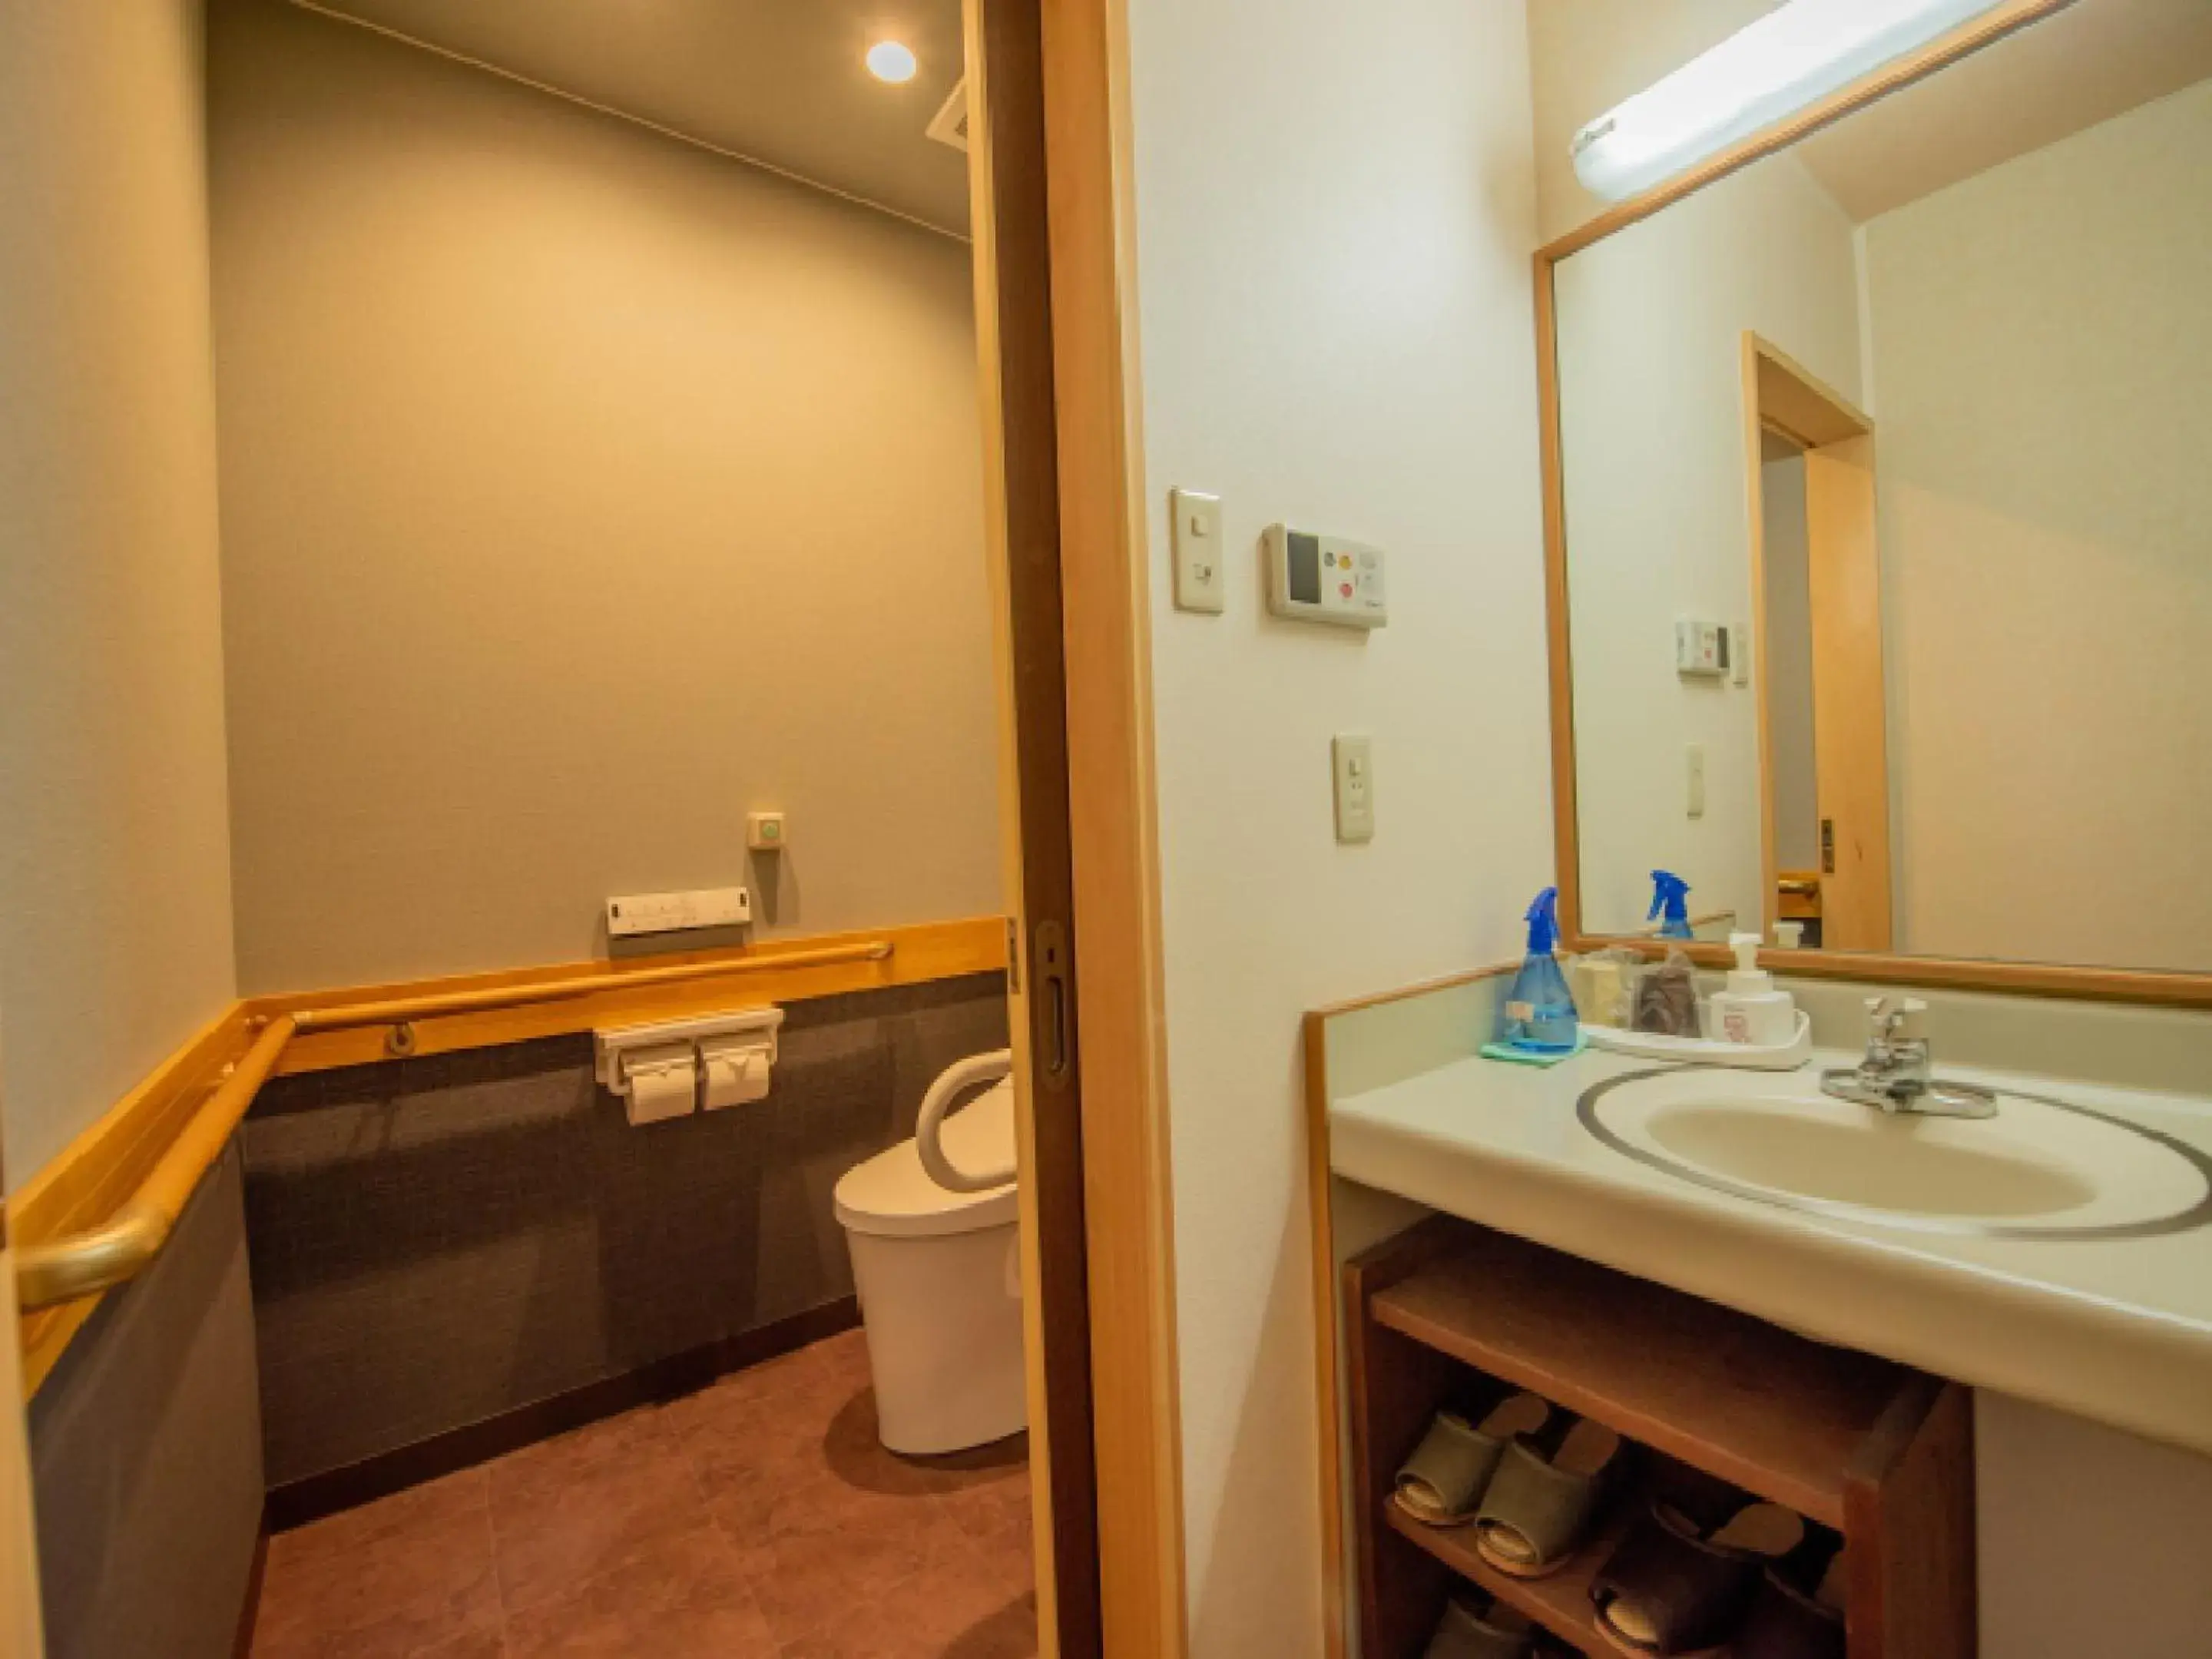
(1881, 1021)
(1912, 1023)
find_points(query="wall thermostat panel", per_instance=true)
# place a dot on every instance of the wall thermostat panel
(1324, 579)
(1701, 649)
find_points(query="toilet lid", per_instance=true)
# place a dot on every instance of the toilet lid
(892, 1196)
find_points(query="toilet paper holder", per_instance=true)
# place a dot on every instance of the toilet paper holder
(673, 1068)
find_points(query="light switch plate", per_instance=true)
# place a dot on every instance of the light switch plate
(1697, 780)
(1200, 584)
(1351, 758)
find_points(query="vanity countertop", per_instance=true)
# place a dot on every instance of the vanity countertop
(2117, 1329)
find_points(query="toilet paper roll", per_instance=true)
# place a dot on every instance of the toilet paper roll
(735, 1079)
(662, 1091)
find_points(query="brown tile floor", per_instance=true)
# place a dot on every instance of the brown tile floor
(757, 1520)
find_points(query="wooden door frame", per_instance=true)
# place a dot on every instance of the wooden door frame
(1048, 135)
(22, 1612)
(1836, 438)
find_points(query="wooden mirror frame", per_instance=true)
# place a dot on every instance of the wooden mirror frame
(2031, 979)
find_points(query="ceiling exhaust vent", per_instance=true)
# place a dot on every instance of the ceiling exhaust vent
(949, 124)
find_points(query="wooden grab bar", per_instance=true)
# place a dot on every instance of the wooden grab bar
(82, 1263)
(1711, 918)
(399, 1011)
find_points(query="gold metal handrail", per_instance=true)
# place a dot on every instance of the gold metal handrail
(82, 1263)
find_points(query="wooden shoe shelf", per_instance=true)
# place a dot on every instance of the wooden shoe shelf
(1877, 1451)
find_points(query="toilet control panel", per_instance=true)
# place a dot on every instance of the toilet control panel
(636, 914)
(1324, 579)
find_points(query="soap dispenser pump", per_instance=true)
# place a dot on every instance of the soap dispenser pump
(1752, 1009)
(1670, 905)
(1539, 1010)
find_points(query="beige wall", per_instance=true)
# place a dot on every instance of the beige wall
(1651, 324)
(582, 490)
(1334, 216)
(115, 938)
(2042, 361)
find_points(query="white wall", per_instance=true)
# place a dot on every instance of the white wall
(1334, 209)
(2043, 347)
(2137, 1518)
(115, 939)
(582, 491)
(1651, 324)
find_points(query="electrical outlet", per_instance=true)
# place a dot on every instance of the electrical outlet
(1354, 761)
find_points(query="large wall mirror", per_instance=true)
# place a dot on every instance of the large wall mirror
(1882, 516)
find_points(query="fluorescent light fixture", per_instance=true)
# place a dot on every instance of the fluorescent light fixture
(1792, 57)
(892, 61)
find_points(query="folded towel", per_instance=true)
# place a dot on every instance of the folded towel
(1506, 1051)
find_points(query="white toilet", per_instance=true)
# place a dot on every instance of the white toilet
(939, 1270)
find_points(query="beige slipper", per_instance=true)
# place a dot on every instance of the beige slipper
(1539, 1510)
(1442, 1484)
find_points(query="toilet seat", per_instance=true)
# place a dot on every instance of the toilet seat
(891, 1195)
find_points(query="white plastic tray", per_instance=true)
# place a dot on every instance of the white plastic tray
(1705, 1051)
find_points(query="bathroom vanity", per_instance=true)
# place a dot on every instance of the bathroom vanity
(1805, 1296)
(2057, 1251)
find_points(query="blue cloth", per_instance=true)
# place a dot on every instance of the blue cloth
(1506, 1051)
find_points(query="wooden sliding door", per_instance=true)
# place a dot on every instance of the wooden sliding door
(1048, 139)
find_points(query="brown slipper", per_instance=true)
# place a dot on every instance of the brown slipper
(1475, 1627)
(1670, 1590)
(1788, 1622)
(1538, 1509)
(1442, 1482)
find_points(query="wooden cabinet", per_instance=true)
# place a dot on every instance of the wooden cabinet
(1880, 1453)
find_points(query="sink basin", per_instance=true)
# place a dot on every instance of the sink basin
(2040, 1169)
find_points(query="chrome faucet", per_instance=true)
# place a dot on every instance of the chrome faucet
(1898, 1074)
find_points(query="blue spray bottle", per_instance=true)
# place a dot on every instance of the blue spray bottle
(1540, 1012)
(1670, 898)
